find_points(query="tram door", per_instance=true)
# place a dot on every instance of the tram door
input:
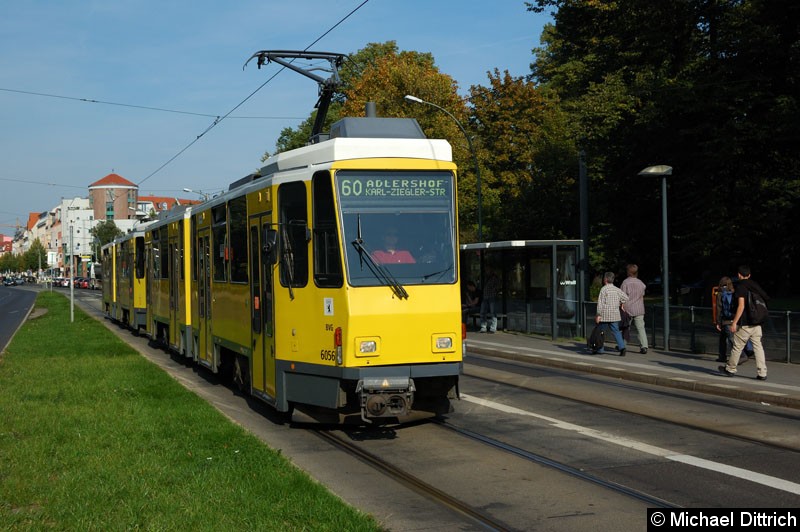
(174, 276)
(205, 343)
(261, 305)
(150, 258)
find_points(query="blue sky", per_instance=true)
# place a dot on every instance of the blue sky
(188, 56)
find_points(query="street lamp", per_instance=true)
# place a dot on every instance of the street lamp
(414, 99)
(200, 192)
(663, 171)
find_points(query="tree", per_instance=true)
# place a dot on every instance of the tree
(9, 263)
(34, 258)
(710, 88)
(105, 232)
(525, 142)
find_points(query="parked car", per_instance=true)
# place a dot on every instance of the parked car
(8, 281)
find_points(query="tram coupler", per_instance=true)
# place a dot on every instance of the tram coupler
(385, 396)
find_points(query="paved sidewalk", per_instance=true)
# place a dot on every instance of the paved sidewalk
(686, 371)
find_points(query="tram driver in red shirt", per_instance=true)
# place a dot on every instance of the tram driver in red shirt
(390, 254)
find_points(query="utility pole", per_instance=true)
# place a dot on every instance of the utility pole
(71, 282)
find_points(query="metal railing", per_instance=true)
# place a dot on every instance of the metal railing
(692, 330)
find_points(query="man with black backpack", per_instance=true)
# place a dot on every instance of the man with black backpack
(751, 312)
(723, 311)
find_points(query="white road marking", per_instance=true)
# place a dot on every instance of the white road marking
(752, 476)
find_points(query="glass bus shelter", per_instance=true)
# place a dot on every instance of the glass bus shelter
(542, 284)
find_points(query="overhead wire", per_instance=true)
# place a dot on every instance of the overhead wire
(28, 181)
(145, 107)
(219, 119)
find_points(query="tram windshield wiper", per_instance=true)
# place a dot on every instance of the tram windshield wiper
(378, 270)
(439, 273)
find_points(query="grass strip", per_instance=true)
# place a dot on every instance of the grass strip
(95, 437)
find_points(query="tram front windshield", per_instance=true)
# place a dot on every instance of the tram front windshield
(398, 223)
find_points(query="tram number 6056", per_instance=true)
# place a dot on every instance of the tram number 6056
(327, 354)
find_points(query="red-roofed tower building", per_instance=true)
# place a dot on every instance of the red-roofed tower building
(113, 198)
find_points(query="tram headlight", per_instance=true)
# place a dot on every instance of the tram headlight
(443, 342)
(368, 346)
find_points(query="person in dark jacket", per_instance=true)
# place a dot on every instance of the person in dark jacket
(724, 309)
(470, 301)
(744, 328)
(489, 302)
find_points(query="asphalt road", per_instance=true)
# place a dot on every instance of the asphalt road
(15, 304)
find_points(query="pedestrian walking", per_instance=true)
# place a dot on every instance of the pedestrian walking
(634, 288)
(724, 309)
(746, 324)
(609, 302)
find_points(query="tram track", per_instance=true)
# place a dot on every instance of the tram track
(650, 500)
(709, 436)
(476, 516)
(679, 418)
(473, 512)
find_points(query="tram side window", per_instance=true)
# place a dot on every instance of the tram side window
(124, 261)
(140, 257)
(220, 242)
(162, 233)
(106, 262)
(180, 250)
(292, 230)
(327, 261)
(156, 257)
(120, 260)
(237, 219)
(193, 246)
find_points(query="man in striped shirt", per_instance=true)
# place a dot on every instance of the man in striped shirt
(609, 302)
(634, 288)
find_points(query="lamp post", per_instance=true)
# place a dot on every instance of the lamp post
(663, 171)
(200, 192)
(414, 99)
(71, 276)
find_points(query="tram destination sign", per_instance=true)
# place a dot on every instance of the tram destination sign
(388, 186)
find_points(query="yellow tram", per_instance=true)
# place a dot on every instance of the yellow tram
(124, 286)
(327, 282)
(167, 244)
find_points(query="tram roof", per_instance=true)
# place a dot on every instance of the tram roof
(346, 148)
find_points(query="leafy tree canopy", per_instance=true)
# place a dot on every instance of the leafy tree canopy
(106, 231)
(35, 257)
(709, 88)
